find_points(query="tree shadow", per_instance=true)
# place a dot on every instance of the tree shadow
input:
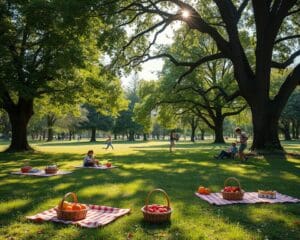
(180, 173)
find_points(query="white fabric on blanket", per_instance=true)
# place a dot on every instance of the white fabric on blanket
(249, 197)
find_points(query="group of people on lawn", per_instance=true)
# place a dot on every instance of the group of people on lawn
(231, 152)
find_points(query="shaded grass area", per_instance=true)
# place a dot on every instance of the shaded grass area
(144, 166)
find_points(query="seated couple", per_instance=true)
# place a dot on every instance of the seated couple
(229, 153)
(89, 160)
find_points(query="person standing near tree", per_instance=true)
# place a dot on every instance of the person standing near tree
(243, 143)
(172, 140)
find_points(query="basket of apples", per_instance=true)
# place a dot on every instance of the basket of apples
(155, 213)
(71, 211)
(232, 192)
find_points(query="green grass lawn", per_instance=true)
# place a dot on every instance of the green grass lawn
(143, 167)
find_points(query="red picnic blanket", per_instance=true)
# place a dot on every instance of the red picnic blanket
(97, 216)
(249, 197)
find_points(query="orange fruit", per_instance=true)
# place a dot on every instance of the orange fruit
(201, 189)
(76, 207)
(82, 206)
(207, 191)
(68, 208)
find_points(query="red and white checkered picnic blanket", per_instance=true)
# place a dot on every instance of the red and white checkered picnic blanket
(42, 173)
(97, 216)
(249, 197)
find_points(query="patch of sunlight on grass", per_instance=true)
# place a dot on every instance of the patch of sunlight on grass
(115, 190)
(62, 186)
(289, 176)
(147, 166)
(14, 204)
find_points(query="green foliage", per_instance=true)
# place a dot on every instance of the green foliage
(96, 120)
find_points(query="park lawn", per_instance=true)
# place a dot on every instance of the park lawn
(143, 167)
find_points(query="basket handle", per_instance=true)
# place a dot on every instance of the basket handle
(157, 190)
(67, 195)
(233, 179)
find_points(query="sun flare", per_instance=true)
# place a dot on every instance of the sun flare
(185, 13)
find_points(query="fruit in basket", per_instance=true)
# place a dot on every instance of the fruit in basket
(26, 169)
(76, 207)
(203, 190)
(82, 206)
(155, 208)
(231, 189)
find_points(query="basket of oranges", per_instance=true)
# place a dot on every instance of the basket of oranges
(155, 213)
(232, 192)
(71, 211)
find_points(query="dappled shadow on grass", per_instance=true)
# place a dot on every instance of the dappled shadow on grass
(179, 173)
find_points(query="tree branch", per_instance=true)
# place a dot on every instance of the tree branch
(286, 38)
(235, 112)
(286, 89)
(288, 62)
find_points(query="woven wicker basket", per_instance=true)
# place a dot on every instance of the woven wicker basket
(74, 215)
(156, 217)
(51, 170)
(233, 195)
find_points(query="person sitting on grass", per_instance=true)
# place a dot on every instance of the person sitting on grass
(89, 160)
(243, 143)
(229, 153)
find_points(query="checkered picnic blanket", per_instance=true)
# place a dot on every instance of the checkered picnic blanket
(102, 167)
(42, 173)
(97, 216)
(249, 197)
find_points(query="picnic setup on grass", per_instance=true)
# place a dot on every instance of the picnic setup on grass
(92, 216)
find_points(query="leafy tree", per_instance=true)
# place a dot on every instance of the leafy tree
(50, 48)
(72, 120)
(43, 46)
(256, 36)
(96, 120)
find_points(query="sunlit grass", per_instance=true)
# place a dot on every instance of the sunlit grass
(142, 167)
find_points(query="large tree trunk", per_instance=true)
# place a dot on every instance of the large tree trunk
(51, 119)
(131, 136)
(202, 133)
(218, 129)
(265, 128)
(93, 137)
(145, 137)
(19, 116)
(194, 125)
(286, 130)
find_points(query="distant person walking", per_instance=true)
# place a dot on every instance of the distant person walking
(172, 140)
(109, 143)
(243, 143)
